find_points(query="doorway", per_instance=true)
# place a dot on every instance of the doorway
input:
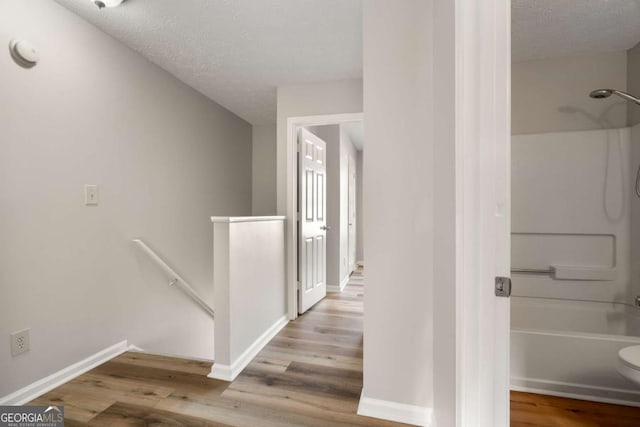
(328, 178)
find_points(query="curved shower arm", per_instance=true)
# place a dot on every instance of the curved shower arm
(626, 96)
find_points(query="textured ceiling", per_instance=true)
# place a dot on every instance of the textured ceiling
(237, 52)
(557, 28)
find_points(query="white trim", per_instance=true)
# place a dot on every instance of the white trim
(340, 287)
(482, 67)
(136, 349)
(229, 373)
(226, 219)
(292, 194)
(577, 391)
(393, 411)
(40, 387)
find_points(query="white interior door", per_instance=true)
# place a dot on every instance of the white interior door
(312, 260)
(352, 214)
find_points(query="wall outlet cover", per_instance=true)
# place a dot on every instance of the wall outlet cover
(20, 342)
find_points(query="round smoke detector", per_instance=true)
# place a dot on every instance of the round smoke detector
(107, 3)
(24, 53)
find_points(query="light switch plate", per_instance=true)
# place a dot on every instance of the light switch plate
(91, 195)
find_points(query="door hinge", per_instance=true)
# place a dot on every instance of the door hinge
(503, 287)
(299, 287)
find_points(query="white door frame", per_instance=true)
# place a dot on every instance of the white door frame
(483, 215)
(293, 123)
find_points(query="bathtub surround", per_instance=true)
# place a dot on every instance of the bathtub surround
(634, 289)
(165, 159)
(576, 218)
(582, 219)
(548, 333)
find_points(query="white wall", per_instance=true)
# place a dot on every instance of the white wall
(263, 188)
(553, 95)
(347, 151)
(336, 97)
(248, 301)
(359, 207)
(398, 201)
(165, 158)
(446, 329)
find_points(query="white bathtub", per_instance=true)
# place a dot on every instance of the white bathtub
(569, 348)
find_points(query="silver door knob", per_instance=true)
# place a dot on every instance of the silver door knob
(324, 227)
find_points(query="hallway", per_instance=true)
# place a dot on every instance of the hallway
(310, 374)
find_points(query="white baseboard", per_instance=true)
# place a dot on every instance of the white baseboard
(136, 349)
(340, 287)
(230, 372)
(40, 387)
(577, 391)
(398, 412)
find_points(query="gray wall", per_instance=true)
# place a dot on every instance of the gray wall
(633, 84)
(347, 151)
(398, 201)
(552, 95)
(263, 186)
(165, 158)
(359, 208)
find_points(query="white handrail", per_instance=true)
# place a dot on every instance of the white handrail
(177, 280)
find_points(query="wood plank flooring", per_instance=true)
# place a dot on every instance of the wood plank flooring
(536, 410)
(309, 375)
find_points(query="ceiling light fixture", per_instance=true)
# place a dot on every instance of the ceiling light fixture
(107, 3)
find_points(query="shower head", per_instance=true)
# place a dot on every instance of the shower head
(601, 93)
(605, 93)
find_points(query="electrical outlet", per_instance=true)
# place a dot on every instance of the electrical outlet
(20, 342)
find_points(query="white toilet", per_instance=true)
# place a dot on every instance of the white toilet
(629, 363)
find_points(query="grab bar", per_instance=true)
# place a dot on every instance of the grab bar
(566, 272)
(549, 271)
(177, 280)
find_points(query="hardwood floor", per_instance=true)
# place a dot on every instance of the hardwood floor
(536, 410)
(309, 375)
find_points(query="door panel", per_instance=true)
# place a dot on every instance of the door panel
(312, 227)
(352, 214)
